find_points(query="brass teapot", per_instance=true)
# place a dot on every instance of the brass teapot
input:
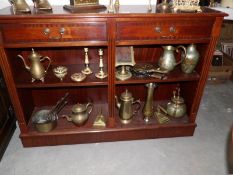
(37, 70)
(176, 107)
(167, 62)
(80, 114)
(125, 106)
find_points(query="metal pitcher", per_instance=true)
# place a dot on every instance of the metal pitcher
(167, 61)
(125, 106)
(190, 60)
(37, 70)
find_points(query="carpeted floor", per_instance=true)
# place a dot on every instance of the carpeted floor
(202, 154)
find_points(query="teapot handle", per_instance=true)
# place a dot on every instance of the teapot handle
(91, 107)
(182, 59)
(44, 58)
(137, 102)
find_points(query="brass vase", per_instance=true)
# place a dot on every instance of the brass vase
(148, 109)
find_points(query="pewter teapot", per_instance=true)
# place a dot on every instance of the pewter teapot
(125, 106)
(167, 61)
(80, 113)
(37, 70)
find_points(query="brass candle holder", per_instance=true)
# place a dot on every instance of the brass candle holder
(87, 70)
(101, 74)
(124, 57)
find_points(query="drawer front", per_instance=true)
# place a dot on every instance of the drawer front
(13, 33)
(164, 29)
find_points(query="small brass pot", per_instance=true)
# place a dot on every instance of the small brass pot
(46, 126)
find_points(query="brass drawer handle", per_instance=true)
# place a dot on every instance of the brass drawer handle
(61, 32)
(172, 29)
(158, 29)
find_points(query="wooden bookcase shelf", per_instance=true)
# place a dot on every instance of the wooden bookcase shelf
(106, 31)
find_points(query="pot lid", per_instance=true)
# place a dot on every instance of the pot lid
(34, 54)
(126, 95)
(78, 108)
(177, 100)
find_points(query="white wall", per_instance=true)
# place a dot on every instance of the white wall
(5, 3)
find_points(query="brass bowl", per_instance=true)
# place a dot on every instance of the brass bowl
(78, 77)
(60, 72)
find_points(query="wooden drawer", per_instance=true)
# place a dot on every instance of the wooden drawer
(164, 29)
(42, 32)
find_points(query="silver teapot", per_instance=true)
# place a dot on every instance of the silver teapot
(80, 114)
(125, 106)
(36, 69)
(167, 62)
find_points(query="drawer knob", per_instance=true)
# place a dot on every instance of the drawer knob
(172, 29)
(158, 29)
(61, 32)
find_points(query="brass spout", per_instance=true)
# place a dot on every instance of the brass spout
(24, 62)
(117, 102)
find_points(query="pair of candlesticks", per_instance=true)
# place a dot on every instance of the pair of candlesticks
(87, 70)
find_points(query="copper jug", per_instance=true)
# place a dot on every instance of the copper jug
(36, 69)
(125, 106)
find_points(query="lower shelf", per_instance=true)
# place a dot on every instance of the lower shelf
(108, 134)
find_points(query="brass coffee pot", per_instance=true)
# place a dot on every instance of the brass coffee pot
(37, 70)
(20, 6)
(80, 113)
(167, 61)
(125, 106)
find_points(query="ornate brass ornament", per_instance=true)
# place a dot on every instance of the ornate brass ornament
(60, 72)
(186, 5)
(78, 77)
(79, 6)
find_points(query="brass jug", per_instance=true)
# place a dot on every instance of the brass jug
(167, 61)
(37, 70)
(42, 5)
(148, 109)
(125, 106)
(190, 60)
(20, 6)
(80, 114)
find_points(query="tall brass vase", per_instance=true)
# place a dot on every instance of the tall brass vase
(148, 109)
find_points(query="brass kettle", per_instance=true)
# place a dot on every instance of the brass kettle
(80, 113)
(176, 107)
(167, 62)
(125, 106)
(37, 70)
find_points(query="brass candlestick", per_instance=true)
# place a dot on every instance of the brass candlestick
(87, 69)
(101, 74)
(149, 6)
(117, 3)
(110, 7)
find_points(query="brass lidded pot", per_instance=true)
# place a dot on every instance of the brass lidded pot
(80, 113)
(176, 107)
(125, 106)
